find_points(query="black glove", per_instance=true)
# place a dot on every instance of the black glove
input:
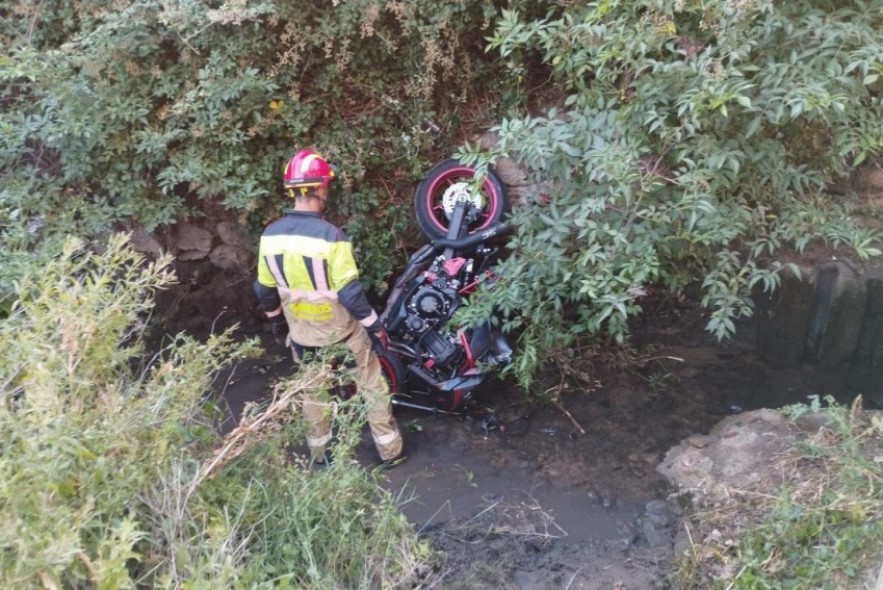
(279, 328)
(381, 338)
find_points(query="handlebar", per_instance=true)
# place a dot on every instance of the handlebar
(497, 229)
(428, 251)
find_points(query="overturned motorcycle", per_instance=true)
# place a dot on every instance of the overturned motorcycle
(431, 363)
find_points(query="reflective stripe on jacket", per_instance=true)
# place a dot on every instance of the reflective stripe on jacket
(307, 265)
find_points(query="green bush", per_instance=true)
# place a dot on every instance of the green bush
(152, 111)
(693, 143)
(109, 478)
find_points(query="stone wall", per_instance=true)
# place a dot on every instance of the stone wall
(222, 242)
(214, 264)
(822, 319)
(833, 316)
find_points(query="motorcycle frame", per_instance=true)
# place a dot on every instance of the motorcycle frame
(461, 385)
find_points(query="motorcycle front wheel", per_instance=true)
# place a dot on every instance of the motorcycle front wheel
(438, 192)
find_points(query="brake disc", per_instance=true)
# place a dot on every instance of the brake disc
(460, 191)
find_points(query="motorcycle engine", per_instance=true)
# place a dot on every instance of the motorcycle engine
(430, 303)
(428, 309)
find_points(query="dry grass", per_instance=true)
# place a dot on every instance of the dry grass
(815, 521)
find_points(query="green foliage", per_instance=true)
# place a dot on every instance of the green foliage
(104, 454)
(330, 528)
(83, 428)
(695, 141)
(119, 110)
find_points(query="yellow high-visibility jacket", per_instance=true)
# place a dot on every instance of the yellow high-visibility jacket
(306, 265)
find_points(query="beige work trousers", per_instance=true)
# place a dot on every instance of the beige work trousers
(371, 385)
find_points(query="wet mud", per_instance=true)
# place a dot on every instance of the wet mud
(567, 495)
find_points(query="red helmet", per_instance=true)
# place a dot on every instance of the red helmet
(307, 169)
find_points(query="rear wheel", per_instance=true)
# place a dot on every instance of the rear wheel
(447, 181)
(457, 400)
(393, 371)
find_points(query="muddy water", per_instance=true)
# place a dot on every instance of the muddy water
(532, 466)
(567, 495)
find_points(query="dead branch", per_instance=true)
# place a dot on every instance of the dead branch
(252, 428)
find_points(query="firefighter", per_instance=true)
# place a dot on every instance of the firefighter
(308, 286)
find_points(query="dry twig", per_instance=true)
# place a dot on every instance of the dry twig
(555, 392)
(250, 429)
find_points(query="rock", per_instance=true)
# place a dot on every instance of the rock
(821, 321)
(489, 140)
(658, 512)
(510, 173)
(519, 187)
(653, 535)
(700, 441)
(230, 233)
(650, 457)
(870, 344)
(683, 543)
(740, 450)
(192, 255)
(655, 523)
(870, 178)
(144, 242)
(192, 240)
(689, 470)
(836, 315)
(227, 257)
(813, 421)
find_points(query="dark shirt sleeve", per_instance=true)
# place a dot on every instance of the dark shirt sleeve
(267, 296)
(352, 297)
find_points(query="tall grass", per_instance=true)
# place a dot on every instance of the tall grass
(104, 453)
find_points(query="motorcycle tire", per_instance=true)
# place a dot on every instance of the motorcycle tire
(393, 371)
(429, 206)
